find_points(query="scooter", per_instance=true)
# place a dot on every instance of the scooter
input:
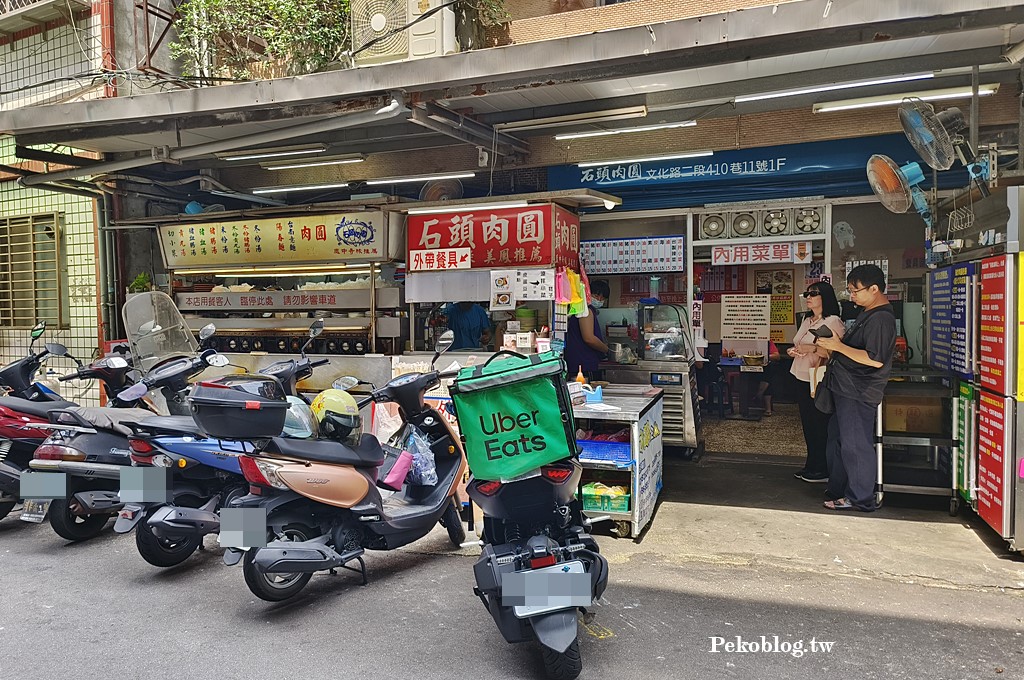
(322, 503)
(539, 566)
(24, 424)
(203, 475)
(17, 378)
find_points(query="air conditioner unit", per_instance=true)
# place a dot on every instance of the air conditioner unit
(809, 221)
(713, 226)
(744, 224)
(777, 222)
(385, 19)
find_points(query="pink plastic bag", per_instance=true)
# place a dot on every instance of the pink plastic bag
(392, 472)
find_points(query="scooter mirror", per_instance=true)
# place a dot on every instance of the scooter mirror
(136, 391)
(207, 331)
(316, 328)
(217, 360)
(115, 362)
(346, 382)
(56, 349)
(38, 330)
(445, 342)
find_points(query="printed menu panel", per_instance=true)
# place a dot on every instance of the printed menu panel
(632, 255)
(961, 314)
(995, 361)
(940, 314)
(995, 422)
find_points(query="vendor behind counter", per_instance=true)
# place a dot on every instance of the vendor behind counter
(584, 338)
(470, 323)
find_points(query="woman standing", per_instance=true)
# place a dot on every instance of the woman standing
(822, 310)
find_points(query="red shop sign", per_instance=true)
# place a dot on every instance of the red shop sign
(996, 362)
(534, 236)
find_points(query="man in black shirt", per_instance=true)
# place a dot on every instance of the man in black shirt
(857, 374)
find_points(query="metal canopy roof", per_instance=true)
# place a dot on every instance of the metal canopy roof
(678, 70)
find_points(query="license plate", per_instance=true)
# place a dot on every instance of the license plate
(538, 591)
(34, 511)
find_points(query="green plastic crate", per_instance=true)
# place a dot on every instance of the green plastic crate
(593, 502)
(616, 503)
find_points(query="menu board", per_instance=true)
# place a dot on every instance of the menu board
(632, 255)
(746, 317)
(961, 315)
(966, 422)
(940, 318)
(995, 337)
(995, 422)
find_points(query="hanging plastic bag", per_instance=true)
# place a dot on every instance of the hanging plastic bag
(424, 471)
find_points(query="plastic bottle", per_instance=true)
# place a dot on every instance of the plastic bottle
(580, 378)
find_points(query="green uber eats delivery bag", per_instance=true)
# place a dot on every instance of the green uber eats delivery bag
(514, 414)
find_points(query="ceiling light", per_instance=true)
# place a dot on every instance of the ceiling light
(652, 159)
(253, 154)
(894, 99)
(829, 88)
(264, 272)
(337, 268)
(242, 196)
(467, 208)
(338, 160)
(424, 178)
(299, 187)
(619, 131)
(573, 119)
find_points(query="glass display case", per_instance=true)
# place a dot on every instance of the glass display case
(665, 333)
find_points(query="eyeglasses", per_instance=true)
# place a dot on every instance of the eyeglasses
(810, 293)
(854, 291)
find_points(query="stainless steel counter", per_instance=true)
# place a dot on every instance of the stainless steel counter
(632, 403)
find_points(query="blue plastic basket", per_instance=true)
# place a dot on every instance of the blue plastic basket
(606, 452)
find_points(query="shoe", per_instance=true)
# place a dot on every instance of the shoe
(799, 474)
(839, 504)
(814, 477)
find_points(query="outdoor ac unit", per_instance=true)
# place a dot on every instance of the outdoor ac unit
(777, 222)
(744, 224)
(385, 19)
(713, 226)
(809, 221)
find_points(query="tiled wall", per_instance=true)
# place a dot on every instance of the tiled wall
(79, 244)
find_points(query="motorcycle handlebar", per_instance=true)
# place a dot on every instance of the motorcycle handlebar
(321, 362)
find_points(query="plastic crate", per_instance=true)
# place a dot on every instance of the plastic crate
(591, 502)
(619, 453)
(616, 503)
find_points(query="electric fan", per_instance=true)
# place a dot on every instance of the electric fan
(935, 137)
(712, 226)
(776, 223)
(744, 224)
(441, 190)
(808, 220)
(897, 187)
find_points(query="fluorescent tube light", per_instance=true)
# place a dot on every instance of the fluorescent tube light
(335, 268)
(893, 99)
(242, 196)
(467, 208)
(264, 272)
(253, 154)
(313, 164)
(829, 88)
(692, 154)
(620, 131)
(573, 119)
(424, 178)
(298, 187)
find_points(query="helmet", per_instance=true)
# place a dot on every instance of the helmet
(299, 422)
(338, 416)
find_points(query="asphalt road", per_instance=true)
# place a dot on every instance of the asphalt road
(97, 610)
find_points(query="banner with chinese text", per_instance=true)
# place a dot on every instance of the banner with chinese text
(757, 253)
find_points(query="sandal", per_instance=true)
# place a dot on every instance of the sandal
(838, 504)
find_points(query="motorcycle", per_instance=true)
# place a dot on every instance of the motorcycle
(18, 377)
(24, 424)
(323, 508)
(538, 564)
(90, 445)
(203, 475)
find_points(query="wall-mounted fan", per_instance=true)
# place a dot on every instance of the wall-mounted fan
(775, 223)
(808, 220)
(441, 190)
(744, 224)
(712, 226)
(897, 187)
(935, 137)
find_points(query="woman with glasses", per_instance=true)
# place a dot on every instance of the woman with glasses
(822, 310)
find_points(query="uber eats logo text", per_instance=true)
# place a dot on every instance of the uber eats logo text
(507, 427)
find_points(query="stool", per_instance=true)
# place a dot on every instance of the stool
(720, 397)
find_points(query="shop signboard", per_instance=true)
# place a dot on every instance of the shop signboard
(758, 253)
(940, 323)
(651, 255)
(996, 334)
(357, 237)
(966, 423)
(532, 236)
(439, 260)
(648, 462)
(995, 459)
(961, 355)
(278, 300)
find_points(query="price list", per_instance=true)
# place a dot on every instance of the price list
(962, 332)
(993, 483)
(992, 338)
(940, 313)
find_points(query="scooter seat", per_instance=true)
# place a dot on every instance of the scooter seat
(112, 419)
(34, 408)
(171, 425)
(367, 454)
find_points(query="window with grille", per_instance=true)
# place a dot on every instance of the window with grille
(33, 271)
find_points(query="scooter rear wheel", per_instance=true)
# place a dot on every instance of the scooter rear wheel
(5, 509)
(74, 527)
(161, 553)
(276, 587)
(566, 665)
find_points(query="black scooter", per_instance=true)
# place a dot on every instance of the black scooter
(17, 378)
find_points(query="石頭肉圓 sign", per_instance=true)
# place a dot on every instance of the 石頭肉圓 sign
(302, 238)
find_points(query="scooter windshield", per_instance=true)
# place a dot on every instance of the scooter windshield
(156, 330)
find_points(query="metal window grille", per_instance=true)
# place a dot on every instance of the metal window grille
(33, 271)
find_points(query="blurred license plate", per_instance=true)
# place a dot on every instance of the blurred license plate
(538, 591)
(34, 511)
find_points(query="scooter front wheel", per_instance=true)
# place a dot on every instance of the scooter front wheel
(566, 665)
(452, 521)
(71, 526)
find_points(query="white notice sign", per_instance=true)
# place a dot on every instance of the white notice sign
(746, 317)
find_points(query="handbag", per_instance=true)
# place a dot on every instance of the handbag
(817, 374)
(823, 400)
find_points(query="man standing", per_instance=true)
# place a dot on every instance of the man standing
(857, 375)
(470, 324)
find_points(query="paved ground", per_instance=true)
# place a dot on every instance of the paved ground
(736, 550)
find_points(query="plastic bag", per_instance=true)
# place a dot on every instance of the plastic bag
(395, 468)
(424, 471)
